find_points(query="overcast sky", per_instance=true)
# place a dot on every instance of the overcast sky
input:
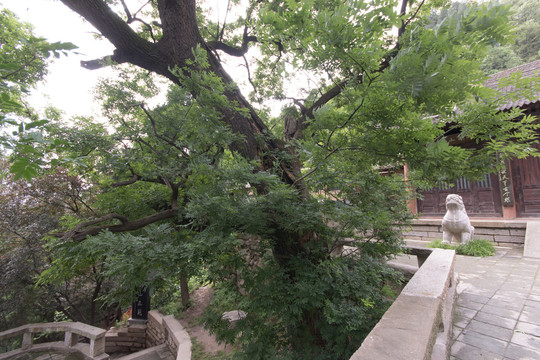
(67, 86)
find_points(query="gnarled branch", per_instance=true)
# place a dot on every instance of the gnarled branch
(233, 50)
(133, 180)
(80, 232)
(116, 58)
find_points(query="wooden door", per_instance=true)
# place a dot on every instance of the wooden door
(526, 184)
(481, 198)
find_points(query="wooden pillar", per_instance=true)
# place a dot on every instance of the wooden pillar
(412, 203)
(507, 191)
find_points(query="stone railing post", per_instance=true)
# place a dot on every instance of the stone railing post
(97, 346)
(27, 340)
(70, 339)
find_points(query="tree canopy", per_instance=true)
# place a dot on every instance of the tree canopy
(211, 183)
(23, 63)
(524, 46)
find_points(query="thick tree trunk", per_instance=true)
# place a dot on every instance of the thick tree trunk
(180, 37)
(184, 291)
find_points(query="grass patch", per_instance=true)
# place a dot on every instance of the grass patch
(476, 247)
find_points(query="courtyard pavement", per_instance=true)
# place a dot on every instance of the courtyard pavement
(498, 308)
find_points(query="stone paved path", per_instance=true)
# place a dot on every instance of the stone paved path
(160, 352)
(498, 309)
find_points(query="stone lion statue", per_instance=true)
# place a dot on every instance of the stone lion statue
(456, 223)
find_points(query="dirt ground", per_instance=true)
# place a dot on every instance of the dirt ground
(201, 299)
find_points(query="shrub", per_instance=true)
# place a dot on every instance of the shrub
(476, 247)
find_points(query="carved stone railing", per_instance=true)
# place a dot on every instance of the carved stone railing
(418, 325)
(95, 350)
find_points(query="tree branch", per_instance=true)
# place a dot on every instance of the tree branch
(130, 47)
(103, 62)
(21, 68)
(408, 21)
(326, 97)
(249, 74)
(80, 233)
(168, 141)
(315, 168)
(133, 180)
(133, 18)
(338, 88)
(233, 50)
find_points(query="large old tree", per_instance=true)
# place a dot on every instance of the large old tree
(364, 88)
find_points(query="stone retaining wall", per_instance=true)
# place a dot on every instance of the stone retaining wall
(501, 232)
(166, 329)
(155, 335)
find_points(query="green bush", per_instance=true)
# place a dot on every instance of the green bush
(173, 308)
(476, 247)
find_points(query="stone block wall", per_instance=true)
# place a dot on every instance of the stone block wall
(500, 232)
(155, 335)
(128, 339)
(167, 330)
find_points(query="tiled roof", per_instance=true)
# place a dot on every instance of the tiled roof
(527, 70)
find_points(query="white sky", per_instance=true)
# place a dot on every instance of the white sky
(67, 86)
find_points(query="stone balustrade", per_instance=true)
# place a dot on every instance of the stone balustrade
(95, 350)
(418, 325)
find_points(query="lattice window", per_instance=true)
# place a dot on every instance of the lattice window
(463, 184)
(485, 183)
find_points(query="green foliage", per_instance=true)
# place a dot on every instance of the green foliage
(23, 59)
(131, 261)
(348, 291)
(500, 58)
(28, 211)
(527, 28)
(476, 247)
(440, 245)
(174, 308)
